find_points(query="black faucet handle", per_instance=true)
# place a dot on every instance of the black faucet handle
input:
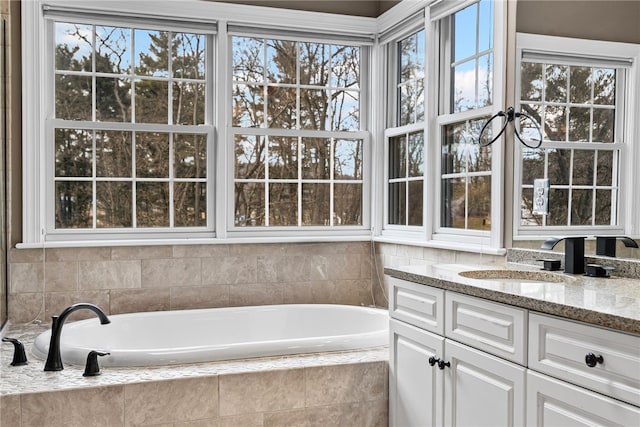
(19, 355)
(92, 369)
(550, 264)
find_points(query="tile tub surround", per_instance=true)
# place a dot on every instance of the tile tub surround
(395, 255)
(609, 302)
(42, 282)
(341, 388)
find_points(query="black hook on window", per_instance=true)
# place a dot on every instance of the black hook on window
(510, 115)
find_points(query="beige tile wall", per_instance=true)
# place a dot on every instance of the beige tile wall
(341, 395)
(149, 278)
(128, 279)
(392, 255)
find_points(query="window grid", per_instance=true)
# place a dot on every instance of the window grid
(602, 200)
(334, 218)
(406, 167)
(482, 11)
(193, 217)
(329, 78)
(410, 79)
(405, 160)
(266, 82)
(466, 168)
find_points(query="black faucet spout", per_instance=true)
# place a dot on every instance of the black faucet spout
(573, 253)
(606, 245)
(54, 360)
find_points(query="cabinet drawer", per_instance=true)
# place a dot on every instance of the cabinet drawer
(559, 348)
(418, 305)
(493, 327)
(551, 402)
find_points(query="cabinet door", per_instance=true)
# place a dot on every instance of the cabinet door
(481, 389)
(554, 403)
(415, 387)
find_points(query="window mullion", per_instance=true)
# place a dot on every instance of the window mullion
(94, 197)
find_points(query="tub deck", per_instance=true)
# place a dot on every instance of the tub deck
(314, 390)
(32, 379)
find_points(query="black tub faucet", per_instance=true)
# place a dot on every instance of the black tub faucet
(54, 361)
(606, 245)
(573, 253)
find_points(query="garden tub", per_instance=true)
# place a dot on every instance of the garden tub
(207, 335)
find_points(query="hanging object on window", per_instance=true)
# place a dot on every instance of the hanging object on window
(509, 116)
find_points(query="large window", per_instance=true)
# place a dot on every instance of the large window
(298, 149)
(441, 186)
(578, 97)
(194, 121)
(130, 151)
(466, 100)
(405, 135)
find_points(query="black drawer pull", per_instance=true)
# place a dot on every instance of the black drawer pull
(433, 360)
(592, 360)
(442, 364)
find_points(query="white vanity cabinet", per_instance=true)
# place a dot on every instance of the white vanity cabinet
(437, 381)
(458, 360)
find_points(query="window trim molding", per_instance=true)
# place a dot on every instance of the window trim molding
(366, 53)
(630, 152)
(494, 237)
(35, 111)
(416, 22)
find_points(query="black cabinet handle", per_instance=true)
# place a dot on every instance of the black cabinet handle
(592, 360)
(442, 364)
(433, 360)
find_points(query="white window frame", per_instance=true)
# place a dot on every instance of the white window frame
(431, 234)
(35, 111)
(362, 134)
(52, 123)
(590, 51)
(389, 51)
(478, 239)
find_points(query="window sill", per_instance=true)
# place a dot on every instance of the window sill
(452, 246)
(196, 241)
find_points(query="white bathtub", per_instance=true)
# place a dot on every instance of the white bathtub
(190, 336)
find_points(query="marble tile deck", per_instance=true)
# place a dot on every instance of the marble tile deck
(32, 379)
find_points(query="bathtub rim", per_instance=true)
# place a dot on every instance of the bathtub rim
(39, 351)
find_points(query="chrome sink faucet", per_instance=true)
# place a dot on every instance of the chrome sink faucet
(54, 360)
(573, 253)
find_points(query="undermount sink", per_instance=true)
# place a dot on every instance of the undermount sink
(520, 276)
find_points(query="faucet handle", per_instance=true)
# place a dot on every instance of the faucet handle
(550, 264)
(19, 355)
(92, 369)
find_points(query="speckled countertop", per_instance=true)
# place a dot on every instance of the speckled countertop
(32, 379)
(612, 302)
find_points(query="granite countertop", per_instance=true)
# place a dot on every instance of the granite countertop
(612, 302)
